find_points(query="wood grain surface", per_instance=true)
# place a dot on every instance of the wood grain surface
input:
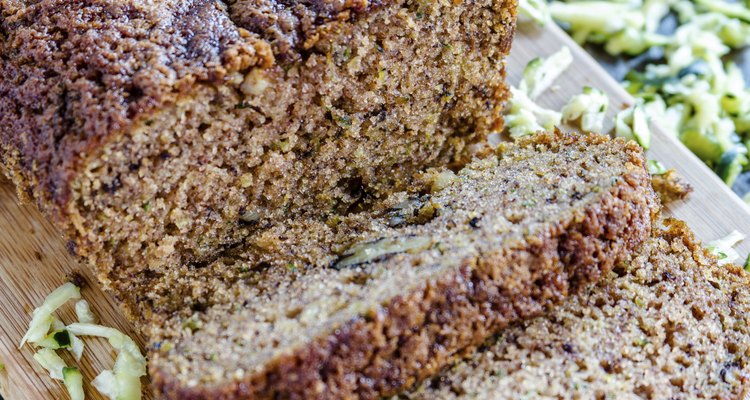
(33, 260)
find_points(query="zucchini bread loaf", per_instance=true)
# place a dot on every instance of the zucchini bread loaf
(367, 304)
(154, 132)
(668, 324)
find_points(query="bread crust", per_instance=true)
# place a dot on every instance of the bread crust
(671, 187)
(417, 333)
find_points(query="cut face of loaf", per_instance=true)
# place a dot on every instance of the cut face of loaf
(669, 323)
(154, 133)
(367, 304)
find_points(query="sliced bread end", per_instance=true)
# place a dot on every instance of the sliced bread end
(503, 241)
(669, 323)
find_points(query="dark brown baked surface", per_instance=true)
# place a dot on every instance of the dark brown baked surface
(367, 304)
(76, 74)
(668, 323)
(156, 133)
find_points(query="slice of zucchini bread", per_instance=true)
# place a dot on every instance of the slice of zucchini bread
(154, 132)
(367, 304)
(668, 324)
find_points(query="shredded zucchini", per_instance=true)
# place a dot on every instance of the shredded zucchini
(596, 20)
(123, 383)
(56, 340)
(731, 164)
(56, 325)
(106, 384)
(632, 42)
(534, 10)
(83, 312)
(656, 168)
(49, 359)
(632, 123)
(541, 72)
(128, 372)
(654, 11)
(75, 345)
(49, 333)
(693, 93)
(588, 108)
(732, 10)
(118, 385)
(525, 117)
(3, 377)
(722, 248)
(42, 316)
(73, 382)
(117, 339)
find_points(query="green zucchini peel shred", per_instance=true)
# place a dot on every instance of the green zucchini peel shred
(42, 316)
(48, 333)
(692, 92)
(73, 382)
(723, 248)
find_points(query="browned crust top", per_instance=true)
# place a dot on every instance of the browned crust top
(293, 27)
(77, 73)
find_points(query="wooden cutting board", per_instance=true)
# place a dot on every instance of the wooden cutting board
(33, 260)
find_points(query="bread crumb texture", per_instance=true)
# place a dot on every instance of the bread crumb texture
(156, 133)
(368, 303)
(671, 186)
(668, 323)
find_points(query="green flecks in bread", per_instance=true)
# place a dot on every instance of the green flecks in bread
(148, 145)
(435, 274)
